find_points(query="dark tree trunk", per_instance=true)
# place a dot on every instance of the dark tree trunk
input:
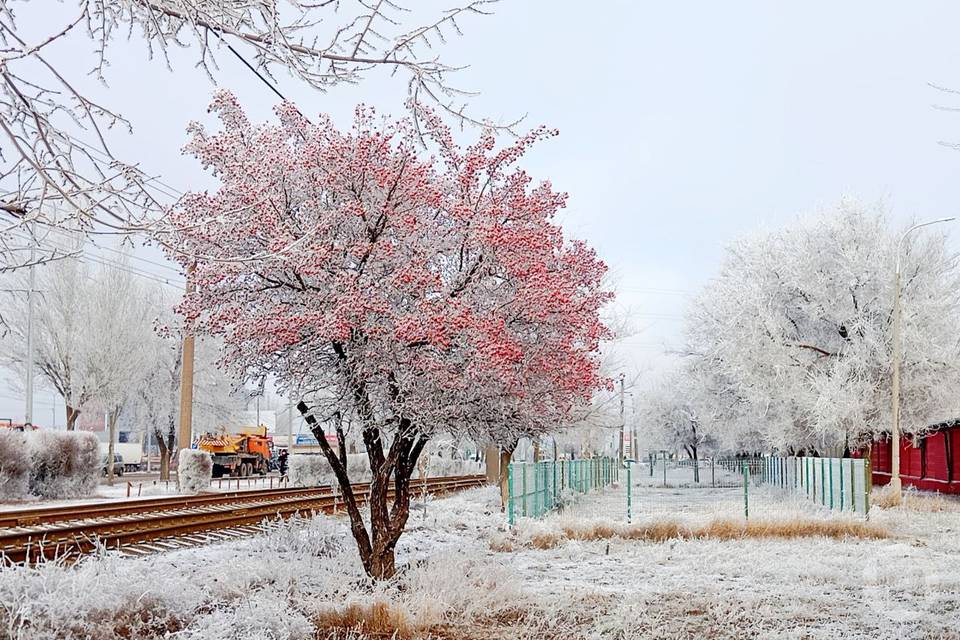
(164, 455)
(391, 470)
(166, 447)
(506, 455)
(72, 415)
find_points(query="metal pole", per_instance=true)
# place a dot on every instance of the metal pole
(895, 408)
(623, 424)
(746, 484)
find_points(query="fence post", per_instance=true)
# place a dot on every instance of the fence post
(806, 475)
(746, 498)
(510, 494)
(555, 483)
(831, 482)
(853, 487)
(664, 470)
(841, 485)
(867, 485)
(523, 486)
(629, 495)
(823, 484)
(713, 473)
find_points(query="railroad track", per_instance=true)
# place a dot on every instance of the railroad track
(139, 527)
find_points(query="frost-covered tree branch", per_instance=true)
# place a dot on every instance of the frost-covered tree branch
(59, 167)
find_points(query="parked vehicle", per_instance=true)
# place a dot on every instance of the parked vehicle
(238, 454)
(117, 465)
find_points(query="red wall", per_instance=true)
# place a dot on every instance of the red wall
(923, 466)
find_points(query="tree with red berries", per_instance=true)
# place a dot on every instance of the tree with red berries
(399, 294)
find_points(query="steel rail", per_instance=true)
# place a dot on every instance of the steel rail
(73, 536)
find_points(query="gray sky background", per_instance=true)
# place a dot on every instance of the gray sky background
(683, 124)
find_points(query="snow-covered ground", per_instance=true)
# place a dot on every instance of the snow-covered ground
(304, 575)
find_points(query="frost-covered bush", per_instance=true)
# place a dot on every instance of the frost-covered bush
(441, 467)
(194, 470)
(302, 535)
(310, 470)
(63, 464)
(14, 465)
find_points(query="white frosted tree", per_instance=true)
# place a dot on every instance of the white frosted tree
(61, 346)
(157, 395)
(796, 330)
(121, 314)
(58, 133)
(676, 414)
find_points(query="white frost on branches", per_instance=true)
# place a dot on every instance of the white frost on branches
(57, 163)
(794, 335)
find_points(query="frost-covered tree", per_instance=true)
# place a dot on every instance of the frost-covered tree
(676, 414)
(90, 328)
(157, 393)
(796, 331)
(118, 343)
(405, 294)
(57, 137)
(62, 336)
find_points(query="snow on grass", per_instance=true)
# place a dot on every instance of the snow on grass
(302, 579)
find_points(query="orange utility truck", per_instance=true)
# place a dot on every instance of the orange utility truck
(238, 454)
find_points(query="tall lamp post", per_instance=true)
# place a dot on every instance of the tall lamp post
(897, 355)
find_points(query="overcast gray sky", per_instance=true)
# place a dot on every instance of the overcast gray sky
(683, 124)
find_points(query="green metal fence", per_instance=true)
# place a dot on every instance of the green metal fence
(842, 484)
(536, 488)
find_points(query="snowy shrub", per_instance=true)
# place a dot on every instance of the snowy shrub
(14, 465)
(63, 464)
(441, 467)
(194, 470)
(311, 470)
(306, 536)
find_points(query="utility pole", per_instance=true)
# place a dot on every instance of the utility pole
(895, 483)
(185, 435)
(290, 427)
(28, 409)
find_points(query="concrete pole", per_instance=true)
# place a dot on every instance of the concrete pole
(185, 434)
(290, 429)
(28, 409)
(895, 483)
(895, 408)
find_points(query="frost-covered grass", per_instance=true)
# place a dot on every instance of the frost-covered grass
(302, 580)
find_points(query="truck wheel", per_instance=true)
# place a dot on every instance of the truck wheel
(245, 469)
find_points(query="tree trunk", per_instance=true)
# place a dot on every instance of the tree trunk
(72, 415)
(165, 446)
(491, 457)
(696, 465)
(505, 456)
(112, 435)
(388, 514)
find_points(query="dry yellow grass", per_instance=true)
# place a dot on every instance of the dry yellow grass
(912, 500)
(715, 530)
(379, 619)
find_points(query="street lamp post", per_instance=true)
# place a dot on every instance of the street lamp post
(897, 355)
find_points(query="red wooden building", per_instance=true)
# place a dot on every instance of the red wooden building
(931, 463)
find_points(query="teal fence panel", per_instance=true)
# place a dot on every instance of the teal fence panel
(537, 488)
(839, 484)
